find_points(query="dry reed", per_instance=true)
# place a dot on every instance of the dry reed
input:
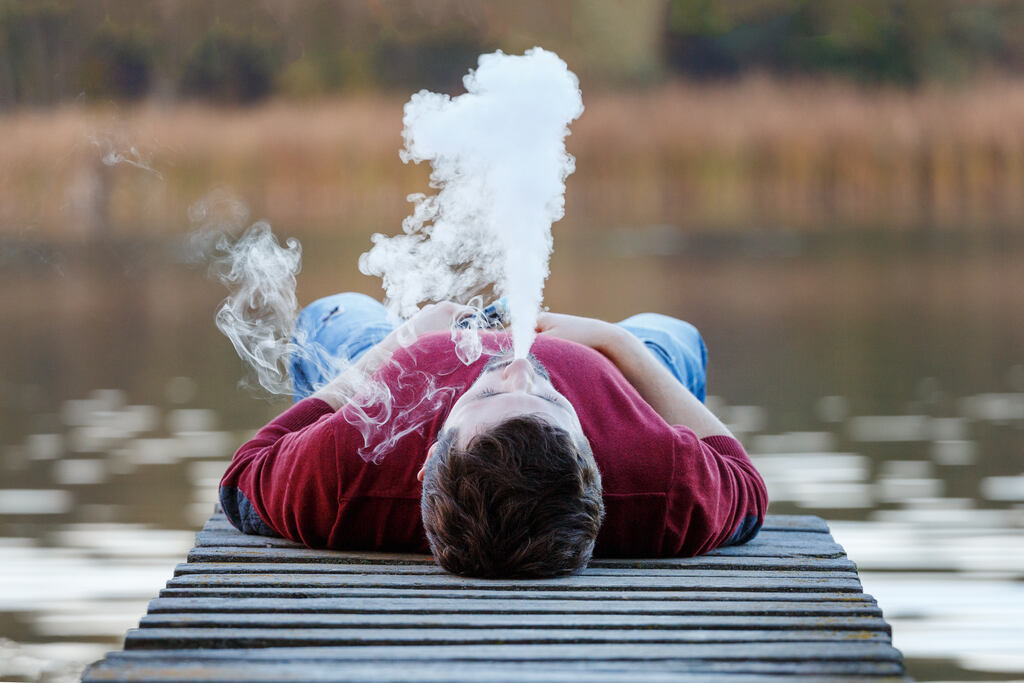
(759, 154)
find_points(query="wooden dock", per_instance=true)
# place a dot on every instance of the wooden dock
(252, 608)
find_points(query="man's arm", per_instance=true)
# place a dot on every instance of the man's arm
(716, 496)
(652, 380)
(431, 318)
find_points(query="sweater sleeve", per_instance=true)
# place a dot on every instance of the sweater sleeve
(284, 481)
(717, 497)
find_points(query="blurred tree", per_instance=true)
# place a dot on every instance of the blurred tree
(428, 43)
(899, 41)
(869, 41)
(118, 63)
(38, 40)
(616, 42)
(322, 72)
(433, 60)
(230, 66)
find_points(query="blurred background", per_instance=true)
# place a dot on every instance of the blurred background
(832, 192)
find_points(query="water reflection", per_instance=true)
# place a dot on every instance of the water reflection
(852, 379)
(1003, 488)
(939, 617)
(53, 662)
(67, 604)
(817, 480)
(34, 501)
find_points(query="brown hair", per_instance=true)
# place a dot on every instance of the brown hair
(521, 500)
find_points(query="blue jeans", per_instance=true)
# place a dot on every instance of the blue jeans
(346, 325)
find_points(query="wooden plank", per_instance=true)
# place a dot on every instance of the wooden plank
(163, 638)
(754, 549)
(307, 592)
(606, 595)
(797, 545)
(737, 561)
(219, 522)
(661, 671)
(380, 621)
(663, 564)
(835, 651)
(794, 523)
(462, 605)
(245, 554)
(234, 539)
(432, 570)
(307, 556)
(768, 582)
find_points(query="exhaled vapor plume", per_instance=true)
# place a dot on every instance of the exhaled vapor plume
(499, 164)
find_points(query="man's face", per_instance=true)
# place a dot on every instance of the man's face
(508, 388)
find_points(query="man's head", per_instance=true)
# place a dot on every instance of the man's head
(511, 487)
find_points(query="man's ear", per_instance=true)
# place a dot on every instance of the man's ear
(423, 470)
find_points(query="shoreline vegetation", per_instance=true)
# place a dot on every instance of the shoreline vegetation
(755, 155)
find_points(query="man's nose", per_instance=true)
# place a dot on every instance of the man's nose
(519, 374)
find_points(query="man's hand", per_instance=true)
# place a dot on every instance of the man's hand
(435, 318)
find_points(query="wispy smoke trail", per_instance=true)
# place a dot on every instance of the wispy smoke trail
(217, 218)
(385, 414)
(112, 154)
(499, 162)
(259, 314)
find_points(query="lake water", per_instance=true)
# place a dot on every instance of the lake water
(876, 382)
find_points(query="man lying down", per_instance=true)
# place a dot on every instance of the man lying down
(598, 443)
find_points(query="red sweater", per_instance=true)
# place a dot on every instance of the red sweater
(666, 492)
